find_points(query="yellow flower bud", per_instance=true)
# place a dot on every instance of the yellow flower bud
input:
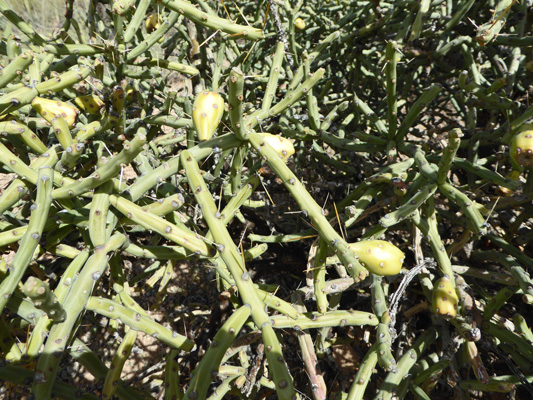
(379, 256)
(207, 112)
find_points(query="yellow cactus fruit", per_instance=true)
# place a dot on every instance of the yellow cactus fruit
(282, 145)
(299, 24)
(90, 103)
(521, 148)
(379, 256)
(117, 98)
(207, 112)
(130, 94)
(50, 109)
(445, 299)
(153, 22)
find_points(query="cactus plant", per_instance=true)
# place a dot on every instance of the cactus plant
(195, 175)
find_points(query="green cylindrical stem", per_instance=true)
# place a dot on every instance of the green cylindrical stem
(272, 84)
(74, 304)
(154, 37)
(497, 301)
(312, 104)
(428, 226)
(491, 386)
(408, 360)
(371, 116)
(385, 357)
(333, 114)
(255, 252)
(364, 374)
(157, 252)
(71, 155)
(17, 165)
(138, 322)
(179, 235)
(91, 129)
(104, 173)
(136, 20)
(448, 154)
(14, 100)
(43, 298)
(165, 205)
(222, 389)
(312, 320)
(236, 167)
(291, 98)
(200, 151)
(467, 206)
(423, 101)
(31, 237)
(202, 376)
(98, 215)
(40, 330)
(26, 134)
(65, 80)
(62, 132)
(355, 211)
(236, 97)
(522, 327)
(489, 30)
(511, 250)
(233, 260)
(15, 68)
(12, 235)
(74, 50)
(379, 305)
(170, 65)
(234, 31)
(275, 303)
(517, 341)
(169, 120)
(18, 188)
(392, 100)
(409, 207)
(517, 271)
(417, 25)
(319, 276)
(172, 376)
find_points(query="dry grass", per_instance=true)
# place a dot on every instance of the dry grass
(45, 16)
